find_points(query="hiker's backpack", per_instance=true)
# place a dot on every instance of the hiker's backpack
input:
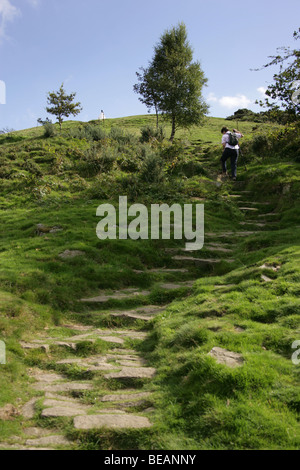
(233, 140)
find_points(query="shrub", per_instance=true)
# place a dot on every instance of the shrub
(96, 161)
(132, 186)
(49, 129)
(89, 132)
(260, 144)
(118, 135)
(149, 134)
(129, 164)
(152, 169)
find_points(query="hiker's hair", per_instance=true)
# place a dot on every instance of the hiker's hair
(224, 129)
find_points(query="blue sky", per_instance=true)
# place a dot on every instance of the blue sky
(95, 47)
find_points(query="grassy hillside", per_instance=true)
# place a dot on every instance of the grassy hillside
(50, 190)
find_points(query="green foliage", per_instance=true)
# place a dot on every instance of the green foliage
(173, 83)
(199, 404)
(49, 129)
(93, 133)
(282, 90)
(61, 105)
(152, 169)
(149, 134)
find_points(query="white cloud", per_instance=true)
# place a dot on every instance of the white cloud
(212, 98)
(230, 102)
(238, 101)
(34, 3)
(8, 13)
(262, 90)
(2, 92)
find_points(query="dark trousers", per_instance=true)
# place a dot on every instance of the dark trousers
(233, 155)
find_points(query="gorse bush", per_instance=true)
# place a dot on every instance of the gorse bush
(260, 144)
(150, 134)
(92, 133)
(96, 161)
(152, 170)
(118, 135)
(49, 129)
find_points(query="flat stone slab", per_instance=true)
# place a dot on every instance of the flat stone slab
(131, 334)
(268, 214)
(26, 345)
(63, 387)
(130, 363)
(256, 224)
(255, 203)
(253, 209)
(50, 402)
(60, 411)
(161, 270)
(173, 286)
(110, 421)
(126, 396)
(229, 358)
(133, 373)
(126, 357)
(18, 447)
(142, 313)
(28, 410)
(69, 254)
(36, 432)
(230, 234)
(266, 278)
(201, 260)
(225, 286)
(77, 360)
(48, 441)
(112, 339)
(218, 248)
(121, 295)
(47, 377)
(103, 367)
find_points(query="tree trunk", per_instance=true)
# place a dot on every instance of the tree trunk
(173, 128)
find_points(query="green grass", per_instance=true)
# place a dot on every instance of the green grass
(199, 404)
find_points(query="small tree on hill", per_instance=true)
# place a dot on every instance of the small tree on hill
(61, 104)
(173, 83)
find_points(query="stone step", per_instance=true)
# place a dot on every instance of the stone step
(270, 214)
(132, 373)
(20, 447)
(63, 387)
(256, 224)
(249, 209)
(214, 248)
(53, 441)
(145, 313)
(161, 270)
(206, 261)
(266, 278)
(125, 397)
(111, 421)
(254, 203)
(229, 358)
(124, 294)
(179, 285)
(231, 234)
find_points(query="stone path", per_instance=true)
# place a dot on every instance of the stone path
(115, 390)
